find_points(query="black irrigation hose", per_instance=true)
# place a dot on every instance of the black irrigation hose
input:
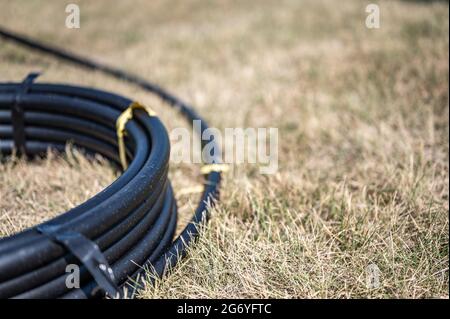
(132, 221)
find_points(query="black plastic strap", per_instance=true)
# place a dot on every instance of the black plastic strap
(89, 255)
(18, 119)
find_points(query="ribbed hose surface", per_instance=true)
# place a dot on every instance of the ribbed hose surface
(132, 221)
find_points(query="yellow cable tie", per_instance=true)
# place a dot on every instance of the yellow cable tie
(120, 128)
(209, 168)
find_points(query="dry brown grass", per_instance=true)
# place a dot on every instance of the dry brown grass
(32, 192)
(364, 132)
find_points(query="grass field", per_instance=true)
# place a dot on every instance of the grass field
(363, 137)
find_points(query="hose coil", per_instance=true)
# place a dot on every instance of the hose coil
(132, 221)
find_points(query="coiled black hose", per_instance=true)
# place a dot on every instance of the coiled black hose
(132, 221)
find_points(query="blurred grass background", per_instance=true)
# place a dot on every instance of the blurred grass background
(363, 123)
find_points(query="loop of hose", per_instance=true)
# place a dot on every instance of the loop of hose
(132, 221)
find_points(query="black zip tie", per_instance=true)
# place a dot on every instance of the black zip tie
(89, 254)
(17, 114)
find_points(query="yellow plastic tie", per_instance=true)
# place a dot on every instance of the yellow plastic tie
(209, 168)
(120, 128)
